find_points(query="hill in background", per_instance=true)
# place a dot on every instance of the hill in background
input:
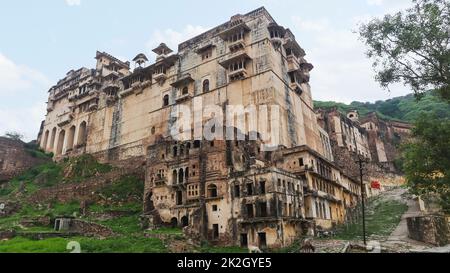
(405, 108)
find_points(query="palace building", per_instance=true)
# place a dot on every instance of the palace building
(230, 192)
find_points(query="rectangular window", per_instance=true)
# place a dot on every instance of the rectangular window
(214, 208)
(249, 210)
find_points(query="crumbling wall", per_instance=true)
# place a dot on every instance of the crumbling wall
(14, 158)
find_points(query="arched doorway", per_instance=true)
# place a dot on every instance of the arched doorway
(52, 139)
(174, 222)
(45, 141)
(185, 221)
(82, 134)
(71, 138)
(60, 146)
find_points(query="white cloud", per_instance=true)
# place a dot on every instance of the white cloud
(22, 98)
(73, 2)
(173, 38)
(342, 71)
(14, 78)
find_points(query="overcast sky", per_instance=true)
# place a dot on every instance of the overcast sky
(41, 40)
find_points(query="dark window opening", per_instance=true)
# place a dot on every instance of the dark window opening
(185, 91)
(262, 187)
(205, 86)
(181, 176)
(197, 144)
(166, 100)
(249, 210)
(262, 240)
(212, 191)
(237, 191)
(174, 222)
(184, 221)
(214, 208)
(249, 189)
(179, 198)
(301, 162)
(244, 240)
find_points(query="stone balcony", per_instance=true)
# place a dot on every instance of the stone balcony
(237, 45)
(64, 119)
(237, 74)
(183, 97)
(160, 77)
(293, 64)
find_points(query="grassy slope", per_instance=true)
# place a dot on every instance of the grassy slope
(382, 217)
(125, 195)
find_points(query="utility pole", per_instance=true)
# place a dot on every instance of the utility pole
(361, 175)
(363, 201)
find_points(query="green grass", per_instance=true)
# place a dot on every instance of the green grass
(126, 225)
(382, 218)
(166, 230)
(88, 245)
(125, 187)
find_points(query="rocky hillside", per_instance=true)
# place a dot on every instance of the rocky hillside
(405, 108)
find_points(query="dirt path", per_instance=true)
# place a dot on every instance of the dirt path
(399, 241)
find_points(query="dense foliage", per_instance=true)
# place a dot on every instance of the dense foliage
(406, 108)
(427, 158)
(412, 47)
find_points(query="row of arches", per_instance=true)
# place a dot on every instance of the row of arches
(180, 176)
(57, 143)
(185, 91)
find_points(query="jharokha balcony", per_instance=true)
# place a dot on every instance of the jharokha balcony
(64, 119)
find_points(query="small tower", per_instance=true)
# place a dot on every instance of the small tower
(140, 60)
(162, 51)
(353, 115)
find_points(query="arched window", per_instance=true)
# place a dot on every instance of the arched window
(174, 177)
(185, 91)
(175, 151)
(166, 100)
(205, 86)
(180, 176)
(186, 174)
(212, 191)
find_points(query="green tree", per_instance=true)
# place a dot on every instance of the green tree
(412, 47)
(427, 158)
